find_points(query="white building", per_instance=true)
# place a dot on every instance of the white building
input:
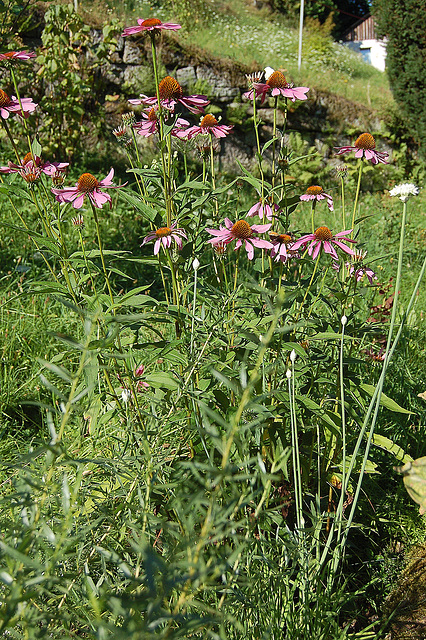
(361, 38)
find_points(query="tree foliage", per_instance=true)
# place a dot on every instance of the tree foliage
(402, 23)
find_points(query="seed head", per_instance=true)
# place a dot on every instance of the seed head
(323, 233)
(365, 141)
(241, 229)
(170, 89)
(87, 183)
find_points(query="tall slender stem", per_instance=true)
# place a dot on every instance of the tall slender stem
(356, 197)
(101, 252)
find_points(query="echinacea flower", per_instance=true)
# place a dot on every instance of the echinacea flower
(209, 125)
(357, 269)
(149, 125)
(404, 191)
(171, 93)
(242, 232)
(164, 236)
(150, 24)
(283, 246)
(323, 238)
(11, 104)
(365, 146)
(262, 208)
(30, 160)
(276, 85)
(16, 55)
(317, 193)
(87, 185)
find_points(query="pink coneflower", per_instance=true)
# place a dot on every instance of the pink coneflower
(242, 232)
(364, 146)
(262, 208)
(150, 24)
(171, 93)
(317, 193)
(283, 246)
(11, 104)
(149, 125)
(16, 55)
(357, 269)
(323, 239)
(164, 236)
(30, 160)
(87, 185)
(277, 85)
(209, 125)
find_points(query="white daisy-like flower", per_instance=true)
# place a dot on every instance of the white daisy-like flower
(404, 191)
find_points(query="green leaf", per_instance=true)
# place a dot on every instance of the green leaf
(329, 335)
(161, 380)
(415, 481)
(391, 447)
(387, 402)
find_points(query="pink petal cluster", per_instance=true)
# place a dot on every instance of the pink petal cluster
(317, 193)
(171, 93)
(87, 186)
(140, 384)
(164, 236)
(324, 239)
(149, 125)
(282, 248)
(10, 104)
(243, 233)
(208, 126)
(365, 146)
(16, 55)
(357, 269)
(263, 208)
(276, 85)
(150, 24)
(28, 163)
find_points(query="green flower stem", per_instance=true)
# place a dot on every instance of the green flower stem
(166, 176)
(162, 278)
(256, 130)
(86, 262)
(55, 277)
(358, 187)
(9, 135)
(343, 204)
(12, 75)
(314, 202)
(174, 281)
(95, 216)
(212, 171)
(274, 134)
(308, 288)
(297, 475)
(194, 303)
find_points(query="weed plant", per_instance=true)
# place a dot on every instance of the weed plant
(206, 406)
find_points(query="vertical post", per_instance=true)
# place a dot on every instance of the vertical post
(299, 57)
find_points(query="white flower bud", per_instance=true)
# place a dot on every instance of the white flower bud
(293, 356)
(288, 374)
(195, 264)
(344, 320)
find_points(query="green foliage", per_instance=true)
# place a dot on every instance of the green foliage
(209, 425)
(66, 79)
(402, 22)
